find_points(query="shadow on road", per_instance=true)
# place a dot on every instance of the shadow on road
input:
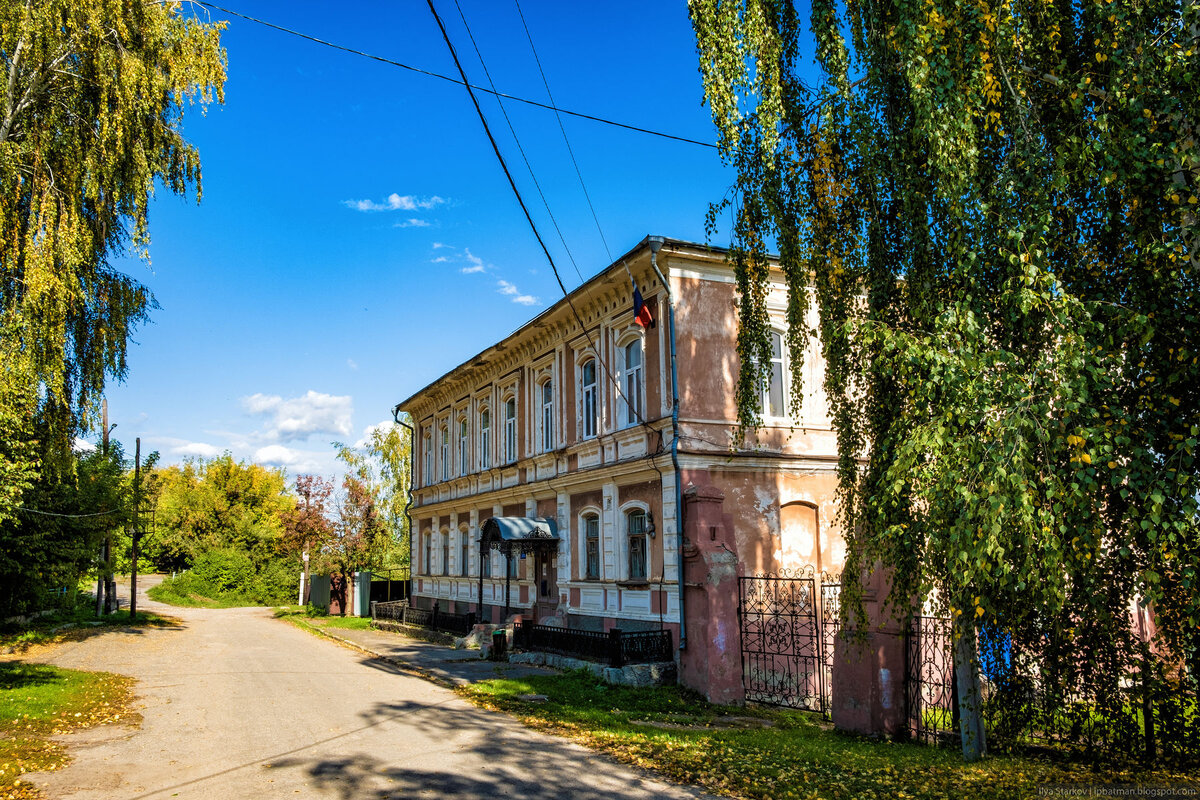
(518, 765)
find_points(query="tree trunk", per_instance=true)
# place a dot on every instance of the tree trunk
(970, 695)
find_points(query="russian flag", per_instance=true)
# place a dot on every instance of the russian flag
(641, 313)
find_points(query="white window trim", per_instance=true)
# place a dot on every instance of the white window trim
(444, 449)
(623, 421)
(784, 380)
(485, 438)
(464, 444)
(546, 416)
(427, 439)
(623, 520)
(511, 447)
(580, 525)
(584, 390)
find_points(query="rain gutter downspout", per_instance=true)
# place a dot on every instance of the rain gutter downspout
(656, 243)
(412, 479)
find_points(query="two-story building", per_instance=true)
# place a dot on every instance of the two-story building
(568, 422)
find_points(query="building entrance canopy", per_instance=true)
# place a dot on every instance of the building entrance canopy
(519, 534)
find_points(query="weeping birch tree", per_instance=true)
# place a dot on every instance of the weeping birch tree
(994, 203)
(91, 100)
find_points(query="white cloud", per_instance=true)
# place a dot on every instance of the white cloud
(83, 445)
(412, 223)
(352, 364)
(439, 260)
(299, 417)
(474, 262)
(396, 202)
(384, 426)
(439, 245)
(277, 455)
(510, 290)
(201, 449)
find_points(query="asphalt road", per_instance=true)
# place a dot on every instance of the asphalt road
(237, 704)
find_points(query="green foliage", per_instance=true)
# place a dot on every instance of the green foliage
(996, 206)
(373, 523)
(52, 541)
(212, 505)
(223, 577)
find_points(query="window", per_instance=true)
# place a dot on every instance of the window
(428, 457)
(445, 552)
(464, 552)
(463, 447)
(428, 553)
(636, 526)
(591, 538)
(587, 379)
(547, 417)
(510, 430)
(514, 565)
(773, 404)
(485, 563)
(445, 452)
(631, 382)
(485, 439)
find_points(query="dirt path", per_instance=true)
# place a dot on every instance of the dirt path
(237, 704)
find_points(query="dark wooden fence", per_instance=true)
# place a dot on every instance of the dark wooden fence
(435, 619)
(617, 647)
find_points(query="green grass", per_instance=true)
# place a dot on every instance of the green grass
(318, 618)
(38, 701)
(729, 751)
(70, 624)
(169, 594)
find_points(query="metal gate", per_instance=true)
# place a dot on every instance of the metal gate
(929, 688)
(787, 632)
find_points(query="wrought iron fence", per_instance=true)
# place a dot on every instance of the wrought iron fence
(617, 647)
(1046, 701)
(434, 619)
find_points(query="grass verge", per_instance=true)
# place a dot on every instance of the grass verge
(316, 618)
(761, 753)
(75, 624)
(38, 701)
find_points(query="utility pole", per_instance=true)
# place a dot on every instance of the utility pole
(101, 585)
(137, 507)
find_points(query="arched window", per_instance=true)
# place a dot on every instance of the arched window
(445, 437)
(632, 382)
(547, 392)
(464, 447)
(636, 527)
(485, 563)
(591, 539)
(587, 381)
(774, 392)
(428, 445)
(485, 439)
(510, 430)
(464, 551)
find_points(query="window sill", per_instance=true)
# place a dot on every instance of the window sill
(634, 584)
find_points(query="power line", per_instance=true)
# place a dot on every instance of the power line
(487, 73)
(448, 78)
(70, 516)
(521, 202)
(567, 141)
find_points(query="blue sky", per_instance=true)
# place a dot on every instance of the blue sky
(356, 237)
